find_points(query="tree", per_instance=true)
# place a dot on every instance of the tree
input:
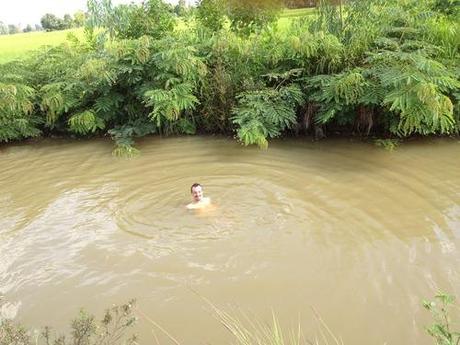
(181, 8)
(38, 27)
(68, 21)
(3, 28)
(211, 14)
(50, 22)
(249, 16)
(79, 18)
(152, 17)
(13, 29)
(28, 28)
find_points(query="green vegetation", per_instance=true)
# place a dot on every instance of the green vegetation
(287, 16)
(85, 330)
(386, 68)
(245, 330)
(19, 45)
(297, 12)
(50, 22)
(249, 331)
(442, 329)
(387, 144)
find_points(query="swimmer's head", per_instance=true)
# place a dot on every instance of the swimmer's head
(197, 192)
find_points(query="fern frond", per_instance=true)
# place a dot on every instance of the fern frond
(96, 72)
(85, 122)
(265, 113)
(417, 91)
(125, 151)
(179, 60)
(16, 109)
(252, 133)
(168, 104)
(52, 102)
(107, 106)
(16, 98)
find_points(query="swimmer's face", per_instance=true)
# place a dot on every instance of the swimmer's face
(197, 193)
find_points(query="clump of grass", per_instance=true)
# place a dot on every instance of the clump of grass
(247, 331)
(250, 331)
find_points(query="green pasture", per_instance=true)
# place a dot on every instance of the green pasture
(298, 12)
(15, 46)
(289, 14)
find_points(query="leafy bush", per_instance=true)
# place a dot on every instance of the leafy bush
(152, 17)
(85, 330)
(441, 330)
(266, 113)
(211, 14)
(17, 120)
(250, 16)
(372, 66)
(450, 7)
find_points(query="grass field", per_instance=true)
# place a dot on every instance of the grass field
(16, 46)
(298, 12)
(288, 15)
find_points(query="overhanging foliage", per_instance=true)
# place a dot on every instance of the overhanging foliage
(372, 65)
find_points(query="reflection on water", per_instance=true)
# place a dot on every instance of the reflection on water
(361, 234)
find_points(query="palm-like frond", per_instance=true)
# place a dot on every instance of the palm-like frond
(85, 122)
(54, 101)
(168, 104)
(265, 113)
(16, 112)
(417, 89)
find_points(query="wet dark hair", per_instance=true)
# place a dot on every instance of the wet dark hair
(195, 185)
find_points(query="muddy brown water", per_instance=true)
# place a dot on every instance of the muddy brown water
(360, 234)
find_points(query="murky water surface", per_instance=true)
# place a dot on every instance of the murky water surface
(359, 233)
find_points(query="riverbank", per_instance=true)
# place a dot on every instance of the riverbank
(363, 76)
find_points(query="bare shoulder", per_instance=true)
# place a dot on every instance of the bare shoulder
(205, 202)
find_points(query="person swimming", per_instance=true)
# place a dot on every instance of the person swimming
(198, 199)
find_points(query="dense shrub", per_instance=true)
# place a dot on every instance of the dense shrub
(211, 14)
(152, 17)
(250, 16)
(371, 66)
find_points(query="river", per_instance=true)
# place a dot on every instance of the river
(359, 233)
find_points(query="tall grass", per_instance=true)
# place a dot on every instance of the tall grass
(248, 330)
